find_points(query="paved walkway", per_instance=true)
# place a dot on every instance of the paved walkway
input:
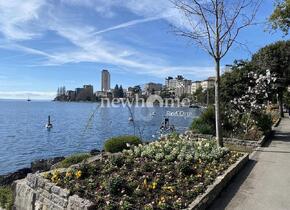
(264, 183)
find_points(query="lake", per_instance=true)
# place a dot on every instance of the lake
(77, 127)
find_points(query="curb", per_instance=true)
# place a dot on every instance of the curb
(213, 190)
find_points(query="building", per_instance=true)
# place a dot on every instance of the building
(152, 88)
(170, 83)
(106, 80)
(179, 85)
(78, 91)
(208, 84)
(86, 93)
(71, 95)
(167, 81)
(195, 85)
(130, 92)
(183, 86)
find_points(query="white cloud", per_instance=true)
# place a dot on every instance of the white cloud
(35, 95)
(25, 20)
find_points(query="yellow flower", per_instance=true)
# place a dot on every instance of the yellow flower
(78, 174)
(169, 188)
(55, 176)
(154, 185)
(162, 200)
(145, 182)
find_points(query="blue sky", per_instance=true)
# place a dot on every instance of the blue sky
(49, 43)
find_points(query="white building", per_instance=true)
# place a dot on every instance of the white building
(195, 85)
(208, 84)
(179, 85)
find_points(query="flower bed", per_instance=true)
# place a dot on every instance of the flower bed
(167, 174)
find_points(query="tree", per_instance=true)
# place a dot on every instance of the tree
(280, 19)
(137, 89)
(121, 92)
(276, 58)
(116, 91)
(233, 82)
(58, 92)
(214, 26)
(199, 95)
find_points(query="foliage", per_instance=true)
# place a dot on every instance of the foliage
(204, 96)
(246, 113)
(118, 92)
(118, 144)
(178, 149)
(185, 168)
(73, 159)
(264, 122)
(274, 57)
(205, 123)
(166, 174)
(137, 89)
(118, 186)
(281, 16)
(234, 81)
(6, 198)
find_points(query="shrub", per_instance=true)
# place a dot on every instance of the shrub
(205, 124)
(6, 198)
(118, 144)
(74, 159)
(264, 122)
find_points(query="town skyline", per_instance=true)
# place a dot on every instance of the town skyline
(172, 87)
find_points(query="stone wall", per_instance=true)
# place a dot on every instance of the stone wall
(36, 193)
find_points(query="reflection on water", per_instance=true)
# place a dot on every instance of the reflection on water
(24, 138)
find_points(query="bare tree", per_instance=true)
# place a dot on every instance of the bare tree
(214, 26)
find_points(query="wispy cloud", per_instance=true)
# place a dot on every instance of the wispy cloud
(17, 18)
(129, 24)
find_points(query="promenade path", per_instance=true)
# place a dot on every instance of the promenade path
(264, 183)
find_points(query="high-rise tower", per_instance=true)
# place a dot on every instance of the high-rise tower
(106, 81)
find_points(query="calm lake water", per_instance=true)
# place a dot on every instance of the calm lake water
(24, 138)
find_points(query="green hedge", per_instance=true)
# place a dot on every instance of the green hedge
(6, 198)
(264, 122)
(118, 144)
(73, 159)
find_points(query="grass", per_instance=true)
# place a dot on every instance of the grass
(73, 159)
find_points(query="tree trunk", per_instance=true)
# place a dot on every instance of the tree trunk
(217, 105)
(280, 103)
